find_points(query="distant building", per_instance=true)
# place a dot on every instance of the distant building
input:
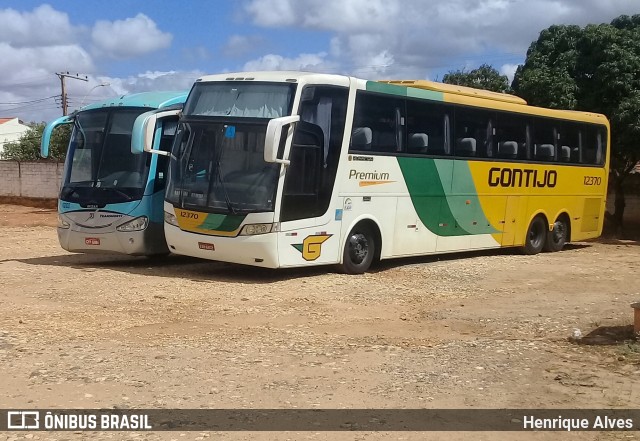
(11, 129)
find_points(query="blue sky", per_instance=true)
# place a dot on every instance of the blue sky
(134, 45)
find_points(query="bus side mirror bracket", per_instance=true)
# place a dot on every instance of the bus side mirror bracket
(144, 129)
(272, 138)
(48, 130)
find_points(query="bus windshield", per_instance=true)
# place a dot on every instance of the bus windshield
(240, 99)
(100, 164)
(217, 164)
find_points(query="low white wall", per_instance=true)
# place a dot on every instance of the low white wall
(30, 179)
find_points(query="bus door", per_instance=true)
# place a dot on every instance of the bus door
(309, 225)
(511, 216)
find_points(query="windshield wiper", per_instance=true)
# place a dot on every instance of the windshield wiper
(120, 192)
(223, 187)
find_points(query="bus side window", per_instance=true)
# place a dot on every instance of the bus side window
(592, 146)
(427, 127)
(511, 136)
(473, 133)
(315, 152)
(569, 139)
(169, 127)
(383, 115)
(361, 138)
(544, 140)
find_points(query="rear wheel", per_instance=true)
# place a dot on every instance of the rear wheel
(359, 251)
(536, 236)
(557, 238)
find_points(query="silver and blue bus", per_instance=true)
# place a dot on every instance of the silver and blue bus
(111, 201)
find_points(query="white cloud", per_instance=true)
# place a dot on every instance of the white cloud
(129, 38)
(155, 80)
(399, 37)
(36, 44)
(44, 26)
(509, 70)
(334, 15)
(304, 62)
(29, 75)
(272, 12)
(239, 45)
(21, 63)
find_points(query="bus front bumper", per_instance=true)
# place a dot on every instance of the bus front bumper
(259, 250)
(147, 242)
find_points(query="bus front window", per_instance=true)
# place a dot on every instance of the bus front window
(218, 163)
(100, 166)
(214, 171)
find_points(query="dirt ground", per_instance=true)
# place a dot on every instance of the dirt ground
(472, 330)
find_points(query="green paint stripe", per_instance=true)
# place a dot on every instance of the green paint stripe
(430, 183)
(222, 222)
(394, 89)
(465, 205)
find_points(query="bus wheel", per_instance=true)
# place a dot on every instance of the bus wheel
(358, 251)
(557, 238)
(536, 236)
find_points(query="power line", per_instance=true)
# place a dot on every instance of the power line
(32, 101)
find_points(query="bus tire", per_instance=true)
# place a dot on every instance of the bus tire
(359, 250)
(557, 238)
(536, 236)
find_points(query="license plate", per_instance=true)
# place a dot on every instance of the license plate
(206, 246)
(92, 241)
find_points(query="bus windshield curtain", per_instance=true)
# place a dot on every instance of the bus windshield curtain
(257, 102)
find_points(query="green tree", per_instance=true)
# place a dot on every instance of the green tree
(27, 148)
(596, 69)
(485, 77)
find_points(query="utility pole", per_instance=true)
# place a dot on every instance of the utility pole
(62, 76)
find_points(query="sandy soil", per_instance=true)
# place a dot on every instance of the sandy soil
(478, 330)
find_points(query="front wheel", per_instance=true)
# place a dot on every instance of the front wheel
(536, 236)
(359, 251)
(557, 238)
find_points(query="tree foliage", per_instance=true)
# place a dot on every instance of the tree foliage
(27, 148)
(485, 77)
(596, 69)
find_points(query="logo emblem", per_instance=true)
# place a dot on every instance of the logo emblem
(311, 246)
(23, 419)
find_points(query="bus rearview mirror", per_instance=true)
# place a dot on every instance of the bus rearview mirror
(143, 136)
(48, 130)
(273, 136)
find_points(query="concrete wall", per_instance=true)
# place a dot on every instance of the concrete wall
(30, 179)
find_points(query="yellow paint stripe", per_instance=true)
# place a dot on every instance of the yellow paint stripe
(369, 183)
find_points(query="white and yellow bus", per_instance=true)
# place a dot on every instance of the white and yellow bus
(287, 169)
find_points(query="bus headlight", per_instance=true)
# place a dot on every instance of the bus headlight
(62, 223)
(171, 219)
(137, 224)
(254, 229)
